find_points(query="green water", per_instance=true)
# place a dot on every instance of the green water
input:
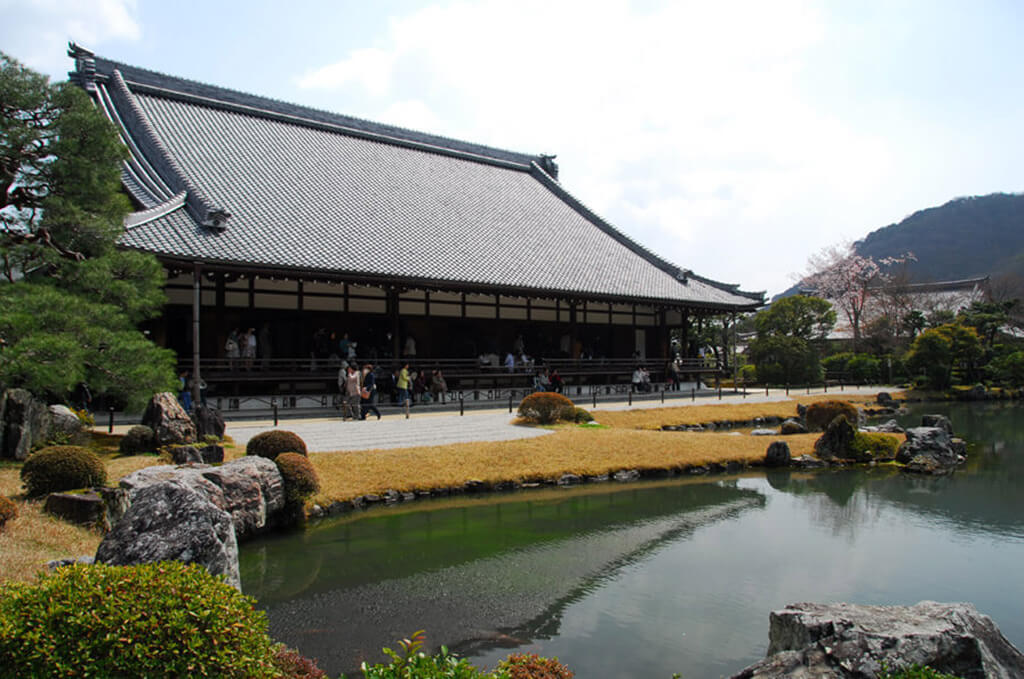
(646, 579)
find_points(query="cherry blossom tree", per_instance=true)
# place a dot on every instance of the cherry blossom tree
(850, 281)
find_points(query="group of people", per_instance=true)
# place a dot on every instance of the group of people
(240, 348)
(361, 392)
(641, 379)
(545, 380)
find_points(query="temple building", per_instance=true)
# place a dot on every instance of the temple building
(292, 221)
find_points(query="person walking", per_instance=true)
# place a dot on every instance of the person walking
(402, 385)
(350, 405)
(368, 393)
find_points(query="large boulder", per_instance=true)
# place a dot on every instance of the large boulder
(889, 427)
(930, 450)
(98, 507)
(24, 423)
(250, 489)
(792, 426)
(777, 455)
(837, 441)
(171, 522)
(846, 641)
(168, 420)
(64, 422)
(208, 421)
(940, 421)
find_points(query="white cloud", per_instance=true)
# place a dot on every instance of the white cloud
(36, 32)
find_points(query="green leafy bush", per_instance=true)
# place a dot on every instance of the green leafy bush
(272, 443)
(292, 665)
(60, 468)
(547, 407)
(8, 510)
(869, 446)
(138, 439)
(154, 620)
(748, 374)
(300, 478)
(583, 416)
(532, 666)
(820, 414)
(413, 663)
(915, 672)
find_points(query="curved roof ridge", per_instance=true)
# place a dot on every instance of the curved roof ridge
(173, 85)
(141, 217)
(668, 267)
(172, 174)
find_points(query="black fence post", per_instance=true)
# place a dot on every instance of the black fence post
(594, 394)
(510, 402)
(275, 414)
(630, 397)
(719, 392)
(787, 388)
(826, 386)
(110, 422)
(663, 394)
(462, 405)
(766, 389)
(693, 393)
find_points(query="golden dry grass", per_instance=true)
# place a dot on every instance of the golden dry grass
(655, 418)
(33, 538)
(570, 449)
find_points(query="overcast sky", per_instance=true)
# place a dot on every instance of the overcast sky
(733, 138)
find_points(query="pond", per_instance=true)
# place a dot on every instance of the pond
(651, 578)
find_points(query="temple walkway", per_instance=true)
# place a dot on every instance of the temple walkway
(441, 428)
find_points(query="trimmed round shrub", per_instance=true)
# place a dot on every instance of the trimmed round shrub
(293, 665)
(8, 510)
(59, 468)
(300, 479)
(272, 443)
(532, 666)
(583, 416)
(820, 414)
(164, 619)
(547, 407)
(868, 446)
(138, 439)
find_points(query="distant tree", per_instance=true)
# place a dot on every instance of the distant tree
(937, 352)
(785, 349)
(69, 298)
(849, 280)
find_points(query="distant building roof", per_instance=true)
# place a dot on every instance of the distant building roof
(234, 179)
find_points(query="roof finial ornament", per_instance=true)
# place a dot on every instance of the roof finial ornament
(548, 164)
(217, 219)
(84, 74)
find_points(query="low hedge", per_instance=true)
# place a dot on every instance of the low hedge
(8, 511)
(59, 468)
(820, 414)
(547, 407)
(154, 620)
(270, 444)
(300, 478)
(138, 439)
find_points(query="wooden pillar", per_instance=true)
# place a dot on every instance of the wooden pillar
(196, 302)
(684, 335)
(396, 345)
(574, 331)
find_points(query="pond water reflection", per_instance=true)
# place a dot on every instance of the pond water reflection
(652, 578)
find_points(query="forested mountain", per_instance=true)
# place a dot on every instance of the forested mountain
(965, 238)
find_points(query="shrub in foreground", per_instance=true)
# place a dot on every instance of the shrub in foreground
(138, 439)
(292, 665)
(532, 666)
(8, 510)
(155, 620)
(272, 443)
(547, 407)
(583, 416)
(820, 414)
(300, 478)
(60, 468)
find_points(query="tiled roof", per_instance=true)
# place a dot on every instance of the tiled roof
(315, 192)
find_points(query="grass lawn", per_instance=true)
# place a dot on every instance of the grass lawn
(626, 440)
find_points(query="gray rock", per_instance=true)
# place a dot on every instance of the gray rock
(171, 522)
(808, 462)
(208, 422)
(212, 454)
(70, 561)
(792, 426)
(63, 421)
(977, 393)
(777, 455)
(837, 441)
(822, 641)
(624, 475)
(764, 432)
(168, 420)
(927, 450)
(184, 454)
(940, 421)
(569, 480)
(24, 423)
(99, 507)
(250, 489)
(890, 427)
